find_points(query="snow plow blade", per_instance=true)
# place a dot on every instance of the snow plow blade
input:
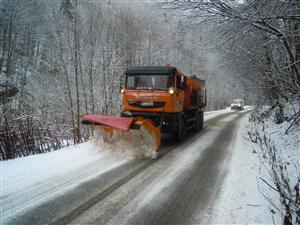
(135, 135)
(122, 123)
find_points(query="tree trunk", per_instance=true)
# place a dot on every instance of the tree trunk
(76, 49)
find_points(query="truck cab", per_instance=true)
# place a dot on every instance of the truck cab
(162, 94)
(153, 89)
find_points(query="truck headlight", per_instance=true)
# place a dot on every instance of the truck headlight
(171, 91)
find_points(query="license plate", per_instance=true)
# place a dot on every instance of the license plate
(147, 104)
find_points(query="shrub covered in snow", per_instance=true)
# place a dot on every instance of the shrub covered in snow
(276, 134)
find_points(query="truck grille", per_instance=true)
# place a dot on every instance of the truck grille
(142, 104)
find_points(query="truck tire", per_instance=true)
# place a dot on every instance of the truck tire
(179, 134)
(199, 121)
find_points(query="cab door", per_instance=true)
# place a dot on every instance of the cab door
(179, 92)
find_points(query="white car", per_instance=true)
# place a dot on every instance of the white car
(237, 104)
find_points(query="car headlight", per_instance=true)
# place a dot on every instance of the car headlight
(171, 91)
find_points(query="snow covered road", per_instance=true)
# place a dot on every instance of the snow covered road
(82, 185)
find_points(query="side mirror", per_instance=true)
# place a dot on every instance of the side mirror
(180, 82)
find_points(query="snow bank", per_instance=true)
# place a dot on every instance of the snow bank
(240, 201)
(28, 182)
(277, 147)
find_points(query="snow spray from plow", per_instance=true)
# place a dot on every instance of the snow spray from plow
(136, 137)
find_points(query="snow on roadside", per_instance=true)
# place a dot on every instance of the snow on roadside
(30, 181)
(240, 201)
(278, 150)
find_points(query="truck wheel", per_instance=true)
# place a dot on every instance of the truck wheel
(180, 132)
(201, 120)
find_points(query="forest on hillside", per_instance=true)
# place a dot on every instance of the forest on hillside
(61, 59)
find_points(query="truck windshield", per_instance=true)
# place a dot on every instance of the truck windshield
(149, 82)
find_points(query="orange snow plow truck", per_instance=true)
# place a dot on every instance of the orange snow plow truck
(155, 99)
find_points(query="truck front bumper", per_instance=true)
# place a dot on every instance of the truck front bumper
(166, 121)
